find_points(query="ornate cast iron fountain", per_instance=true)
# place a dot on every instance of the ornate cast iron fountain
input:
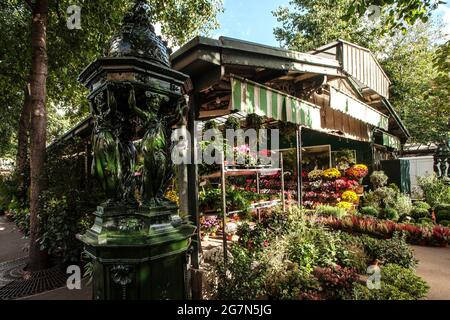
(138, 242)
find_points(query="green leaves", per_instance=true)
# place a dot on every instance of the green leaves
(69, 52)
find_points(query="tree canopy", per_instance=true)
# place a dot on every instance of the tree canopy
(69, 51)
(410, 53)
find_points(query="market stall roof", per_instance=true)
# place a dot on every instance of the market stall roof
(198, 55)
(359, 63)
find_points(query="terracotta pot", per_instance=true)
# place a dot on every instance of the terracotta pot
(359, 189)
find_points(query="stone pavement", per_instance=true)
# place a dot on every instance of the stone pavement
(434, 268)
(13, 245)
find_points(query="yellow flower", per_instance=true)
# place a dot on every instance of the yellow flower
(345, 205)
(350, 196)
(172, 196)
(331, 174)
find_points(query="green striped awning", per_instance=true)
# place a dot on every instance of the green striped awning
(343, 102)
(391, 141)
(251, 97)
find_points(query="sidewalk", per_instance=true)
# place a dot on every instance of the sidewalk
(434, 268)
(12, 241)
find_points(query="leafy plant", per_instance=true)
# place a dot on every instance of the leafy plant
(242, 278)
(394, 250)
(442, 212)
(418, 213)
(369, 211)
(378, 179)
(435, 190)
(405, 280)
(336, 282)
(421, 205)
(331, 211)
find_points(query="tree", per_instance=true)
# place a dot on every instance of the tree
(417, 69)
(409, 61)
(59, 55)
(38, 131)
(399, 14)
(308, 24)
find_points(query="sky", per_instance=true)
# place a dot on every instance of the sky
(252, 20)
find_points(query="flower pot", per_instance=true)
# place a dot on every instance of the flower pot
(359, 189)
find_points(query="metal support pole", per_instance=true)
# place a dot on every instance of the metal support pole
(258, 192)
(283, 202)
(299, 173)
(192, 174)
(224, 211)
(300, 167)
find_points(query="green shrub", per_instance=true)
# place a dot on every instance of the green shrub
(442, 206)
(290, 282)
(386, 292)
(242, 279)
(350, 253)
(397, 283)
(421, 205)
(425, 221)
(435, 190)
(394, 250)
(331, 211)
(369, 211)
(442, 212)
(445, 223)
(336, 282)
(405, 280)
(378, 179)
(418, 213)
(389, 214)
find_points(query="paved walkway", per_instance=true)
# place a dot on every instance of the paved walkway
(434, 268)
(13, 245)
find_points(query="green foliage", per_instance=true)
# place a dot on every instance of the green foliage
(445, 223)
(61, 222)
(389, 202)
(394, 250)
(400, 13)
(442, 214)
(421, 205)
(242, 278)
(69, 51)
(426, 221)
(331, 211)
(309, 24)
(369, 211)
(435, 190)
(405, 280)
(389, 214)
(289, 281)
(378, 179)
(418, 213)
(7, 191)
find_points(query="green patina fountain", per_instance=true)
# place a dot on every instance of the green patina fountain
(138, 243)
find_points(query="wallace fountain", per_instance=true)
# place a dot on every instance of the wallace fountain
(139, 244)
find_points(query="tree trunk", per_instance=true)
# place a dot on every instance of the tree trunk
(23, 144)
(38, 134)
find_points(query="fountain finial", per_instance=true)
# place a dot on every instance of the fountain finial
(137, 37)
